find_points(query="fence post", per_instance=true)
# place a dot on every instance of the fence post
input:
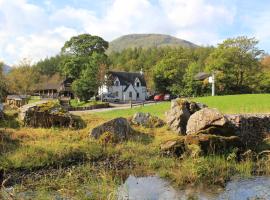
(130, 103)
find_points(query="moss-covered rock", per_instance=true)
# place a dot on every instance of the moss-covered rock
(107, 138)
(179, 114)
(147, 120)
(212, 143)
(49, 114)
(118, 127)
(173, 147)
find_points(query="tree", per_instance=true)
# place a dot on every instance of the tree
(84, 61)
(23, 78)
(169, 72)
(84, 45)
(236, 60)
(49, 66)
(3, 86)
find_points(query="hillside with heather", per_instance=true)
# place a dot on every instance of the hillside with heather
(147, 41)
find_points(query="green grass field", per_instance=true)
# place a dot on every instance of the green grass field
(231, 104)
(248, 103)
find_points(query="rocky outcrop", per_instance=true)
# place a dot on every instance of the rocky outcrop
(48, 114)
(179, 114)
(251, 128)
(146, 120)
(118, 127)
(210, 121)
(213, 143)
(173, 147)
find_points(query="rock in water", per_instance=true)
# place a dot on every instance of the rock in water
(119, 127)
(179, 114)
(147, 120)
(48, 114)
(205, 119)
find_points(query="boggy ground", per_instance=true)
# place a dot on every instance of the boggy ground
(45, 163)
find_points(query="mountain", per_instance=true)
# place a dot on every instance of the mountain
(146, 41)
(6, 68)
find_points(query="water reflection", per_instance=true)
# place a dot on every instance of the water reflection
(155, 188)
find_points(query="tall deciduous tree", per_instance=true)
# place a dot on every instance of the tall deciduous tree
(84, 62)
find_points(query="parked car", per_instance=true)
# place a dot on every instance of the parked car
(169, 97)
(159, 97)
(150, 97)
(110, 98)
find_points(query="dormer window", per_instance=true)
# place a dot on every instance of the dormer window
(137, 82)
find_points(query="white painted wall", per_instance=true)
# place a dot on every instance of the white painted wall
(124, 96)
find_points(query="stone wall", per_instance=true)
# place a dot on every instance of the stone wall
(251, 128)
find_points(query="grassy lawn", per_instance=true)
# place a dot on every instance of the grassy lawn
(248, 103)
(76, 103)
(70, 164)
(158, 109)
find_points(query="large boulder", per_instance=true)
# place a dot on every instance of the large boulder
(208, 121)
(118, 127)
(48, 114)
(147, 120)
(179, 114)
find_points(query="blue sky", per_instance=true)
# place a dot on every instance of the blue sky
(35, 29)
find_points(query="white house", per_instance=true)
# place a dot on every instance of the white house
(125, 85)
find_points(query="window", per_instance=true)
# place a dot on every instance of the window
(116, 94)
(138, 95)
(130, 94)
(116, 83)
(138, 84)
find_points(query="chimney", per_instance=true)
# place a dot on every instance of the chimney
(141, 71)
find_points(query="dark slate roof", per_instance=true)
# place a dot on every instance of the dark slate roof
(201, 76)
(127, 78)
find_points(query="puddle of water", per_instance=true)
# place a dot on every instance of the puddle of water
(257, 188)
(155, 188)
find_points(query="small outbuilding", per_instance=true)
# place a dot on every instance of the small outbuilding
(17, 100)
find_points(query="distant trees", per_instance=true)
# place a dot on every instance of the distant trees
(84, 55)
(237, 62)
(49, 66)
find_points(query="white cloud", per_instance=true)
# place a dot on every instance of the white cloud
(32, 31)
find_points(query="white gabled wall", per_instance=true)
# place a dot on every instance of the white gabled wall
(124, 96)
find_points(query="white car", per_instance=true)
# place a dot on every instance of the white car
(110, 98)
